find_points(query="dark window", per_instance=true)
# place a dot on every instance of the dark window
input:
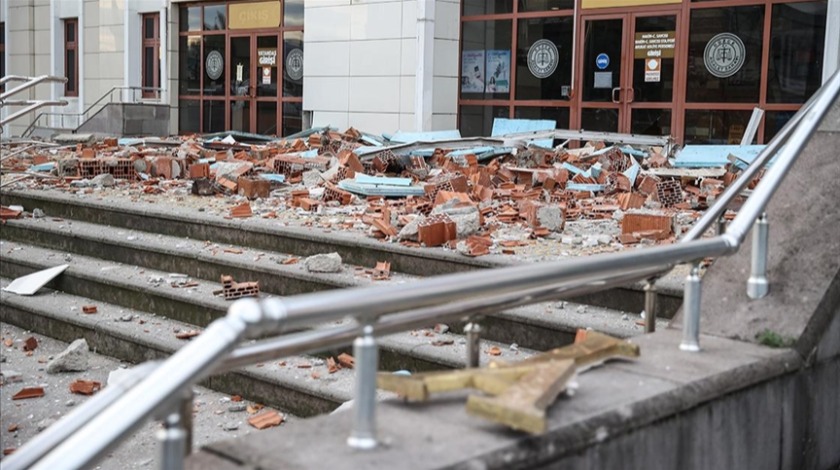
(487, 7)
(797, 41)
(485, 55)
(189, 116)
(2, 53)
(478, 120)
(774, 121)
(292, 118)
(293, 64)
(71, 57)
(190, 19)
(215, 17)
(189, 65)
(732, 72)
(293, 13)
(543, 5)
(151, 54)
(214, 77)
(715, 127)
(558, 30)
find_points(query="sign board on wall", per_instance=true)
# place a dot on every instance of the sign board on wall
(267, 56)
(623, 3)
(653, 69)
(472, 72)
(254, 15)
(659, 44)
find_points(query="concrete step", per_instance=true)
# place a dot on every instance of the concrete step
(538, 327)
(137, 336)
(270, 235)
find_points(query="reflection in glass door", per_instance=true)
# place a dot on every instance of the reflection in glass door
(253, 83)
(601, 74)
(627, 73)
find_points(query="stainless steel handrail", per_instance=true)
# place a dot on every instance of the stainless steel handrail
(422, 301)
(83, 116)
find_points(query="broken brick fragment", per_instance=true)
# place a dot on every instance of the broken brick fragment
(266, 419)
(30, 344)
(332, 366)
(253, 188)
(640, 222)
(187, 334)
(346, 360)
(29, 392)
(241, 211)
(199, 170)
(89, 309)
(85, 387)
(381, 271)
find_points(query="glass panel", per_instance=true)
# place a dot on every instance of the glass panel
(240, 59)
(266, 66)
(720, 68)
(543, 5)
(650, 121)
(293, 64)
(293, 13)
(214, 116)
(485, 55)
(797, 41)
(215, 68)
(70, 31)
(478, 120)
(148, 66)
(215, 17)
(70, 66)
(601, 60)
(559, 115)
(774, 121)
(149, 26)
(653, 65)
(188, 116)
(190, 19)
(240, 115)
(2, 33)
(487, 7)
(266, 117)
(533, 80)
(599, 119)
(715, 127)
(189, 65)
(292, 118)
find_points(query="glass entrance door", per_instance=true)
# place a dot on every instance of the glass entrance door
(253, 83)
(626, 73)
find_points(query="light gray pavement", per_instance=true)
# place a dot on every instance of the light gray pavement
(213, 418)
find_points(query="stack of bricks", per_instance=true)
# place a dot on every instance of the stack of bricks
(436, 230)
(235, 290)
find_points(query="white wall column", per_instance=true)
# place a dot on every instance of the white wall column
(424, 84)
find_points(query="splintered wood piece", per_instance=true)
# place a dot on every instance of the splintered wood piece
(522, 406)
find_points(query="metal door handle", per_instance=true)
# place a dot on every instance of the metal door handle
(614, 100)
(631, 94)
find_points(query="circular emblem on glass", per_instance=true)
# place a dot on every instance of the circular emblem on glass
(214, 65)
(542, 58)
(724, 55)
(294, 64)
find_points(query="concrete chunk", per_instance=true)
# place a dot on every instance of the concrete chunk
(72, 359)
(323, 263)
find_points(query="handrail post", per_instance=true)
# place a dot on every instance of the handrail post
(473, 331)
(186, 411)
(363, 436)
(721, 225)
(173, 442)
(691, 311)
(650, 305)
(758, 285)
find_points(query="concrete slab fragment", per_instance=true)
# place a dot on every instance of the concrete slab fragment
(29, 284)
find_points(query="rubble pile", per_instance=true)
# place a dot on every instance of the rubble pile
(464, 194)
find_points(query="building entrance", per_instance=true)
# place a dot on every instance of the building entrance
(253, 83)
(626, 71)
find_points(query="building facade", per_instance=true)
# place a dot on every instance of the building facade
(694, 69)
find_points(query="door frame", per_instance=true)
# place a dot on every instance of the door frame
(625, 107)
(253, 74)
